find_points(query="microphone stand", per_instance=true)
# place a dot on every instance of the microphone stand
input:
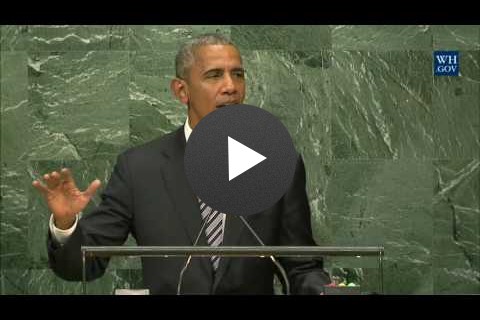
(275, 261)
(277, 264)
(187, 262)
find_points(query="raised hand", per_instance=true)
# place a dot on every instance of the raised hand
(63, 197)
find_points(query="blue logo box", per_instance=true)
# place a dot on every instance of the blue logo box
(446, 63)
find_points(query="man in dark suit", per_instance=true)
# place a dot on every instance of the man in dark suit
(148, 195)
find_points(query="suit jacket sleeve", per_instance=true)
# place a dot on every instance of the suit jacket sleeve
(306, 275)
(107, 225)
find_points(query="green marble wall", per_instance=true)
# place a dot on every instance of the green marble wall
(392, 152)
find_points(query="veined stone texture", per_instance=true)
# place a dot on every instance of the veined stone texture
(392, 152)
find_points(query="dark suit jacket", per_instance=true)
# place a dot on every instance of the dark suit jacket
(149, 196)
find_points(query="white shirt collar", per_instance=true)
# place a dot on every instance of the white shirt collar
(187, 129)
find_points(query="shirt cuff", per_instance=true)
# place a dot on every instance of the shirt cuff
(61, 236)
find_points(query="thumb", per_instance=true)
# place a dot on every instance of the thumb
(92, 188)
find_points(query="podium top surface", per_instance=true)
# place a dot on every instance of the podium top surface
(240, 251)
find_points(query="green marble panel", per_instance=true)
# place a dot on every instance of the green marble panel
(294, 87)
(168, 38)
(44, 281)
(456, 240)
(14, 216)
(15, 112)
(154, 110)
(456, 37)
(381, 38)
(64, 38)
(386, 203)
(81, 98)
(382, 105)
(456, 110)
(270, 37)
(15, 139)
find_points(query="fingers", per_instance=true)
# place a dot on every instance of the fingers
(40, 187)
(92, 188)
(66, 175)
(52, 180)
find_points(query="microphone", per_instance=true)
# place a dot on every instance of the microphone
(275, 261)
(277, 264)
(187, 262)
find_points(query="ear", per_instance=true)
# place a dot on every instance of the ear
(180, 89)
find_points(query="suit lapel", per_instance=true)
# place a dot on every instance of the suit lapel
(185, 202)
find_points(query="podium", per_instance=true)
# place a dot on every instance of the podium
(232, 251)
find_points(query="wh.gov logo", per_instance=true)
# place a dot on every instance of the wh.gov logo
(446, 63)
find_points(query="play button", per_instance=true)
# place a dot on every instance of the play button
(240, 160)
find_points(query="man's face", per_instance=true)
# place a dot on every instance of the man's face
(216, 78)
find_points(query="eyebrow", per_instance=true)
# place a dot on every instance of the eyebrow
(221, 70)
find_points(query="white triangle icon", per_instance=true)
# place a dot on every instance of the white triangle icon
(241, 158)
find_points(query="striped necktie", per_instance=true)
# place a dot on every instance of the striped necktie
(213, 229)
